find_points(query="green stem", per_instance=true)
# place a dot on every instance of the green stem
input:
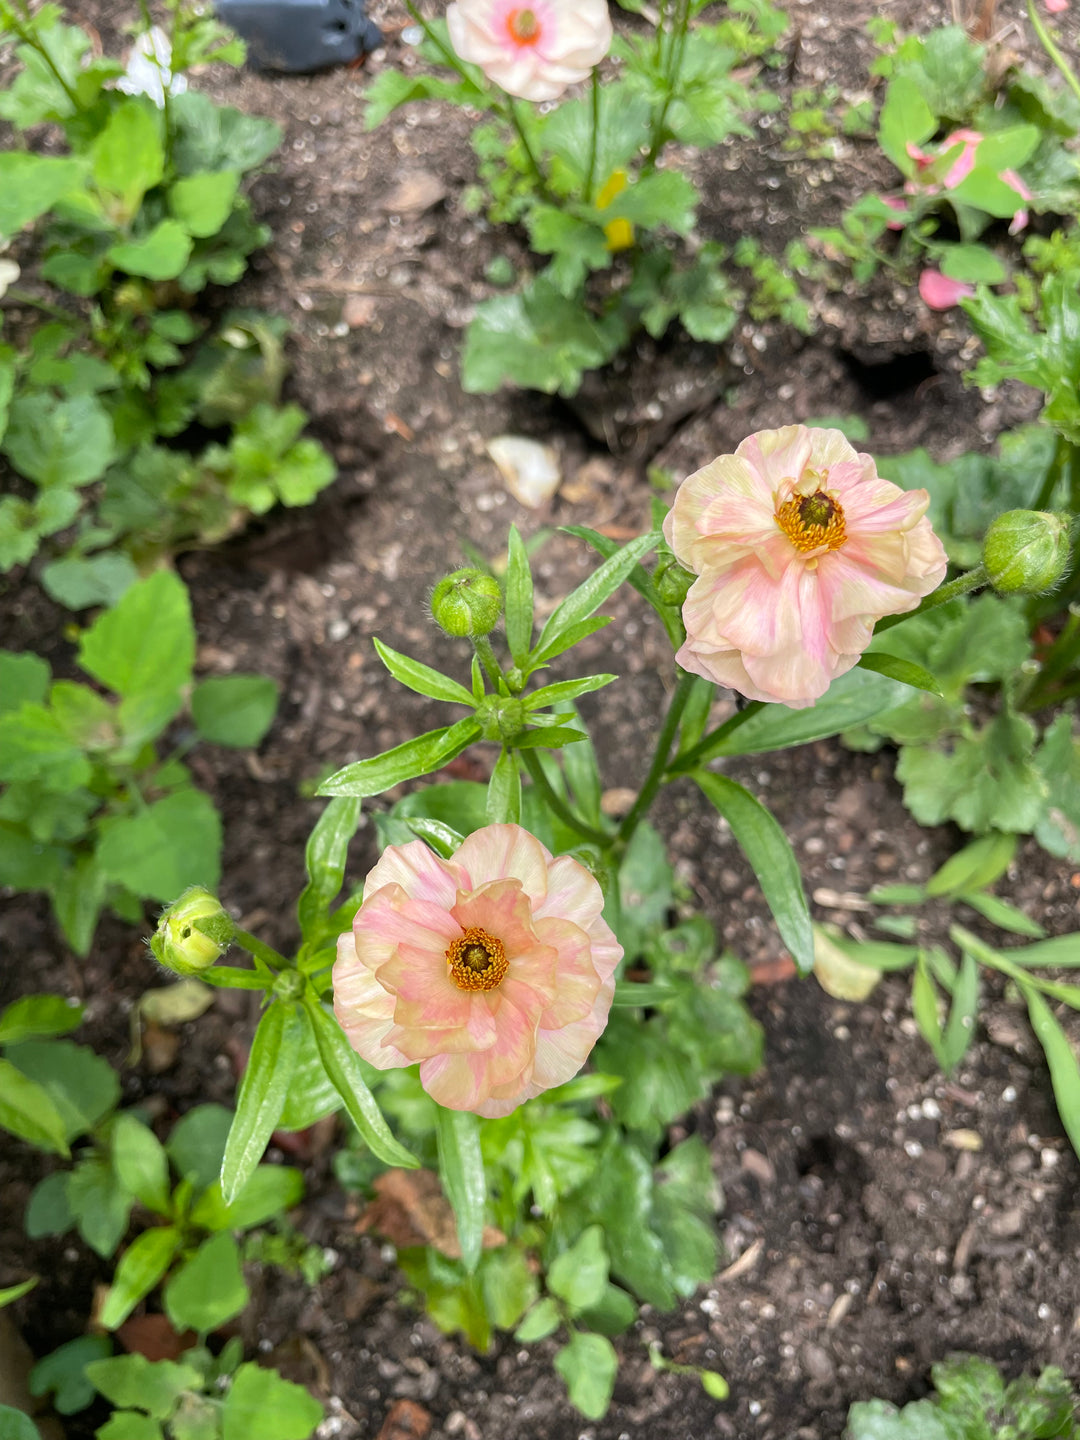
(511, 112)
(1064, 654)
(706, 748)
(655, 777)
(1063, 466)
(486, 656)
(1048, 44)
(674, 66)
(556, 804)
(594, 138)
(265, 956)
(962, 585)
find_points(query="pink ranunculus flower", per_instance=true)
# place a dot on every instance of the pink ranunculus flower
(533, 50)
(799, 547)
(494, 969)
(1056, 7)
(941, 293)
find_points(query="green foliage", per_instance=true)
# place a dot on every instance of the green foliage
(973, 1401)
(90, 812)
(583, 180)
(139, 217)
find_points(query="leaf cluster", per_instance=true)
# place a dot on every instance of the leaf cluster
(90, 811)
(141, 210)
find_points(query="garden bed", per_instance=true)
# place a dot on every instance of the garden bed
(877, 1216)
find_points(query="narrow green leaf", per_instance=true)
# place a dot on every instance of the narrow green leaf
(504, 791)
(960, 1026)
(906, 671)
(27, 1110)
(550, 737)
(461, 1169)
(924, 1006)
(772, 859)
(422, 678)
(1002, 914)
(975, 866)
(567, 640)
(1064, 1072)
(641, 994)
(442, 839)
(519, 598)
(1062, 952)
(591, 593)
(405, 762)
(10, 1293)
(639, 578)
(262, 1096)
(565, 690)
(141, 1267)
(325, 858)
(343, 1067)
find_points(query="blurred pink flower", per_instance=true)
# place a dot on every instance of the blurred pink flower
(799, 547)
(1056, 7)
(895, 203)
(494, 969)
(533, 51)
(941, 293)
(1015, 182)
(961, 168)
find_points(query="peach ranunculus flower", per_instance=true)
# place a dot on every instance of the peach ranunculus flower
(494, 969)
(533, 50)
(799, 547)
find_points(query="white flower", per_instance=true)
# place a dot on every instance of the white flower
(149, 68)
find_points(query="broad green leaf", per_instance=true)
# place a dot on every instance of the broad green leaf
(24, 679)
(977, 865)
(79, 582)
(906, 119)
(48, 1212)
(772, 859)
(325, 857)
(59, 442)
(32, 184)
(128, 157)
(100, 1204)
(580, 604)
(160, 851)
(588, 1365)
(542, 1320)
(202, 203)
(405, 762)
(160, 255)
(210, 136)
(34, 745)
(78, 896)
(261, 1100)
(665, 198)
(146, 643)
(82, 1085)
(905, 671)
(974, 264)
(234, 710)
(209, 1289)
(1064, 1071)
(142, 1266)
(519, 598)
(579, 1276)
(64, 1372)
(131, 1381)
(260, 1403)
(270, 1191)
(461, 1169)
(129, 1425)
(28, 1110)
(141, 1163)
(35, 1016)
(196, 1144)
(343, 1066)
(422, 678)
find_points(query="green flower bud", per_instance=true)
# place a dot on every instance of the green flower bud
(516, 680)
(672, 581)
(1026, 551)
(192, 933)
(502, 717)
(468, 602)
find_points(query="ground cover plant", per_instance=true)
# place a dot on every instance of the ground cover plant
(506, 1050)
(112, 375)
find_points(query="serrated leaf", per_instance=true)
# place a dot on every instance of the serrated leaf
(146, 643)
(133, 1381)
(261, 1403)
(588, 1365)
(234, 710)
(160, 851)
(59, 442)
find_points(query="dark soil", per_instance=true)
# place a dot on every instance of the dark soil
(877, 1216)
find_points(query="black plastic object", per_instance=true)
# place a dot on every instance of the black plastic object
(301, 35)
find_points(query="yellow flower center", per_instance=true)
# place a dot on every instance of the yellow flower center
(524, 27)
(812, 521)
(477, 960)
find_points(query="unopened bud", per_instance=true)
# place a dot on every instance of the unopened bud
(501, 716)
(192, 933)
(672, 581)
(468, 602)
(1026, 551)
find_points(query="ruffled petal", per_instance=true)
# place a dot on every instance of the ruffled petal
(501, 852)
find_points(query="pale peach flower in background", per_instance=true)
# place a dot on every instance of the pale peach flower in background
(533, 50)
(941, 293)
(494, 969)
(799, 547)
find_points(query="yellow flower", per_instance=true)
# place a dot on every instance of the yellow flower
(619, 232)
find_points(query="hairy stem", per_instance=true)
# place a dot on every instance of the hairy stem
(962, 585)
